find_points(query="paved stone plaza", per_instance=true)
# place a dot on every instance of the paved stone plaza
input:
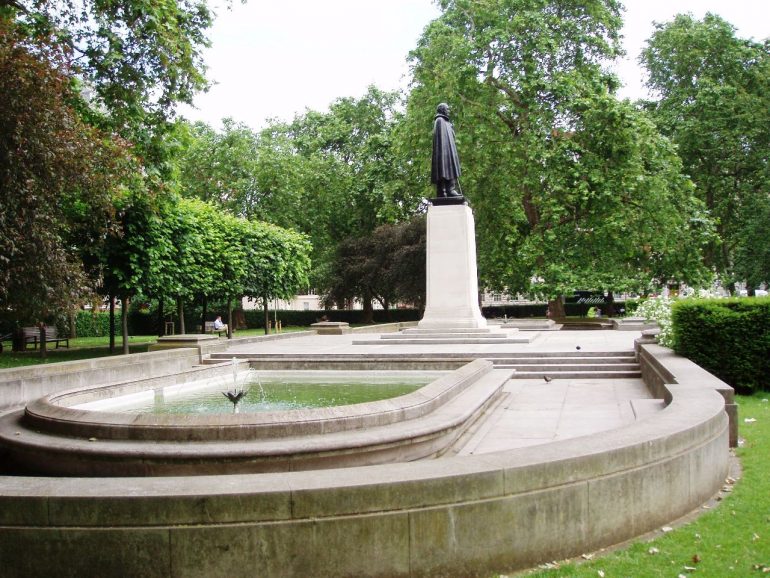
(531, 411)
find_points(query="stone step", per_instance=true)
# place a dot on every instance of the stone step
(434, 340)
(577, 374)
(586, 326)
(573, 354)
(442, 335)
(559, 367)
(473, 330)
(613, 361)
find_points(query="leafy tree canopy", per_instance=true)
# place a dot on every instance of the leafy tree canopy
(59, 180)
(132, 59)
(713, 92)
(570, 186)
(387, 265)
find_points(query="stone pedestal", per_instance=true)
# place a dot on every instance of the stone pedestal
(331, 327)
(452, 284)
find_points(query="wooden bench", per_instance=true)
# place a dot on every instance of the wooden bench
(208, 327)
(32, 335)
(6, 337)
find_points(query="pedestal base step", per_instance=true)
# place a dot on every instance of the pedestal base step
(462, 336)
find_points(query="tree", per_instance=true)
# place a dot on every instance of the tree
(58, 178)
(570, 187)
(349, 176)
(713, 100)
(220, 167)
(387, 265)
(277, 263)
(752, 248)
(134, 60)
(138, 256)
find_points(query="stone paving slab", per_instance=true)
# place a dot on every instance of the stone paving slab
(536, 412)
(533, 412)
(565, 341)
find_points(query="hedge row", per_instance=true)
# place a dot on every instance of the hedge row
(304, 318)
(728, 337)
(540, 309)
(145, 322)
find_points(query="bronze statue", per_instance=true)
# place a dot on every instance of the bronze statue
(445, 166)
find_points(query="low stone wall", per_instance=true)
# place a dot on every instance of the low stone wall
(661, 366)
(19, 386)
(460, 516)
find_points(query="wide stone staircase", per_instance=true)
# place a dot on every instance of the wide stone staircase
(571, 365)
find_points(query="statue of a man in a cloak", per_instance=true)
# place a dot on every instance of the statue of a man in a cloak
(445, 166)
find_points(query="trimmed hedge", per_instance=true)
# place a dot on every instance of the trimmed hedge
(728, 337)
(304, 318)
(97, 323)
(539, 309)
(517, 311)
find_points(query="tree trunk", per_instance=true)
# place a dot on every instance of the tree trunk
(556, 308)
(18, 343)
(112, 324)
(161, 318)
(368, 309)
(205, 303)
(124, 323)
(43, 348)
(229, 318)
(265, 304)
(180, 314)
(73, 323)
(609, 305)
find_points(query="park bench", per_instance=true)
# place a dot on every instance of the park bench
(6, 337)
(208, 327)
(32, 335)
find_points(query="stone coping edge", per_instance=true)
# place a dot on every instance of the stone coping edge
(459, 516)
(51, 414)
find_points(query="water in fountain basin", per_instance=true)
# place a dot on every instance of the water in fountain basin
(275, 394)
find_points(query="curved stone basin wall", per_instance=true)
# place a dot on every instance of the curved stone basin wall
(51, 438)
(462, 516)
(54, 413)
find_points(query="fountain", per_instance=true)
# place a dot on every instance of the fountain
(235, 395)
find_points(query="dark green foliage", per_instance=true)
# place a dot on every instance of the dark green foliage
(728, 337)
(539, 310)
(92, 323)
(97, 323)
(387, 264)
(713, 101)
(255, 317)
(517, 311)
(569, 185)
(57, 181)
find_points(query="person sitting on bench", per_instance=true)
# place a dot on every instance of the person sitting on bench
(218, 325)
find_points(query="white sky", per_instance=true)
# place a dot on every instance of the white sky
(275, 59)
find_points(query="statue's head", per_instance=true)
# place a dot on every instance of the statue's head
(443, 109)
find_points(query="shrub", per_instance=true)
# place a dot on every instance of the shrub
(304, 318)
(728, 337)
(658, 309)
(94, 323)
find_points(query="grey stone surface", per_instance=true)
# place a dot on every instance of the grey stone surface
(331, 327)
(462, 515)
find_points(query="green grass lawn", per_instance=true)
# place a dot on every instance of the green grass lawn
(731, 539)
(80, 348)
(86, 347)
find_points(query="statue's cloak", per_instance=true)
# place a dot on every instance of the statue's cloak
(445, 164)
